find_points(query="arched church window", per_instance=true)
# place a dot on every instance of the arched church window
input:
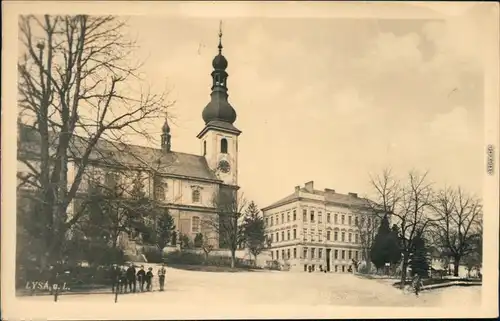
(111, 180)
(204, 148)
(195, 224)
(223, 146)
(196, 196)
(159, 193)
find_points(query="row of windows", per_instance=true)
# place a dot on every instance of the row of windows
(223, 146)
(195, 223)
(292, 235)
(275, 219)
(351, 237)
(111, 180)
(277, 238)
(311, 253)
(160, 194)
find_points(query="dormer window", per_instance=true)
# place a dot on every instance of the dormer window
(223, 146)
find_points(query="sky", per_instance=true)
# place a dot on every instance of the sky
(329, 100)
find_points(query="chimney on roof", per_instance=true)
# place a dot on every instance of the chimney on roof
(297, 188)
(328, 190)
(310, 186)
(353, 194)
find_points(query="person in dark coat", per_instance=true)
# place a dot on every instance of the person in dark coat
(123, 279)
(141, 277)
(161, 276)
(149, 279)
(131, 278)
(115, 277)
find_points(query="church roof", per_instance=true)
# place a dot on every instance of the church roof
(329, 197)
(116, 154)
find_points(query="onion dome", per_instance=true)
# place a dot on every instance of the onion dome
(219, 62)
(219, 108)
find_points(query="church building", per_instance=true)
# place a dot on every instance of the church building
(183, 183)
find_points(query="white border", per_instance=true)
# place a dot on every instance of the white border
(489, 39)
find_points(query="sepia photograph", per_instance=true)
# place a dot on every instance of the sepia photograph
(243, 159)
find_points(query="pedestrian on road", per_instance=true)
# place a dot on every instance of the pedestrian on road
(417, 284)
(141, 277)
(115, 278)
(131, 278)
(161, 276)
(149, 279)
(123, 279)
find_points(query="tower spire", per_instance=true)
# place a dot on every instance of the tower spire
(220, 37)
(219, 108)
(165, 135)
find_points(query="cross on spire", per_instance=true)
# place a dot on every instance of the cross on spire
(220, 37)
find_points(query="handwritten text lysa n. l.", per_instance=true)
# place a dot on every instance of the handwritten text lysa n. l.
(40, 285)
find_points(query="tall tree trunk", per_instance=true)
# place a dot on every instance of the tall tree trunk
(233, 258)
(456, 265)
(404, 266)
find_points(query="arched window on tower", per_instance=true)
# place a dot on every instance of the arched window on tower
(223, 146)
(204, 148)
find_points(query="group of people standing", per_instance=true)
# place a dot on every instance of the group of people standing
(126, 278)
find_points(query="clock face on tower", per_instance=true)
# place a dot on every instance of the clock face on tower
(224, 166)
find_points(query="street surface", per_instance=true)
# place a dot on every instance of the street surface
(287, 288)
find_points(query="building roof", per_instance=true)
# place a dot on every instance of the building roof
(329, 197)
(119, 154)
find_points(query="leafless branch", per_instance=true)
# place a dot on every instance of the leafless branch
(77, 80)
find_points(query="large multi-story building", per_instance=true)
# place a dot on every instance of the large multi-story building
(183, 183)
(317, 230)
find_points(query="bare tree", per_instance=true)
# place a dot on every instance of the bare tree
(367, 230)
(227, 222)
(76, 78)
(408, 205)
(458, 220)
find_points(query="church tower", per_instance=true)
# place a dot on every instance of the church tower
(219, 137)
(165, 136)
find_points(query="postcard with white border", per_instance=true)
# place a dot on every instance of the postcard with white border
(215, 160)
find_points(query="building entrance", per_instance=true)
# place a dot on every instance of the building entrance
(328, 256)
